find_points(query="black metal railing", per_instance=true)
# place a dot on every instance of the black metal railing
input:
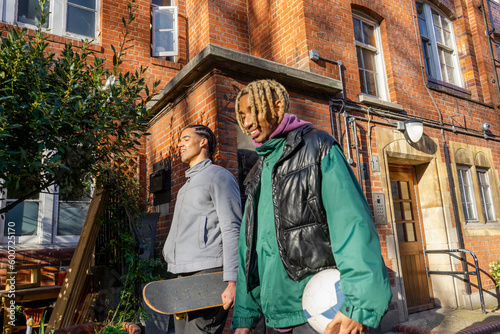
(463, 272)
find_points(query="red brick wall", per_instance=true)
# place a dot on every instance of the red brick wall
(277, 31)
(222, 23)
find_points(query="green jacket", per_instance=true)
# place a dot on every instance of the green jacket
(355, 245)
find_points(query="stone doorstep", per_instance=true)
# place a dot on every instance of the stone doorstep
(481, 329)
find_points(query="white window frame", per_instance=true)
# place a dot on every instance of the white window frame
(175, 16)
(48, 211)
(485, 194)
(435, 69)
(56, 19)
(380, 76)
(465, 184)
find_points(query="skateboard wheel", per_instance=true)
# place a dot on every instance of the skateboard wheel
(180, 316)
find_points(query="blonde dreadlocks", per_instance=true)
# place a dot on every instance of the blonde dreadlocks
(262, 94)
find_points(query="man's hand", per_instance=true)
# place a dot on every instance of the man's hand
(242, 331)
(228, 295)
(343, 325)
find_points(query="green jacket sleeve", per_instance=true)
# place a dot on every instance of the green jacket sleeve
(246, 313)
(355, 243)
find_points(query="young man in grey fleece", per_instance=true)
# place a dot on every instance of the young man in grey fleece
(205, 227)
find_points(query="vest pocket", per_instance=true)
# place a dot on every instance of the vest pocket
(308, 248)
(202, 231)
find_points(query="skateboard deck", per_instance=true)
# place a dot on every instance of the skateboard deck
(185, 294)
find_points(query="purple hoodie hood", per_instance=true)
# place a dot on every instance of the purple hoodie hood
(287, 124)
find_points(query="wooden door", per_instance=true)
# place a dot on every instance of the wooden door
(406, 214)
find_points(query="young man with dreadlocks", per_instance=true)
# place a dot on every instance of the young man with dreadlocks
(304, 212)
(207, 205)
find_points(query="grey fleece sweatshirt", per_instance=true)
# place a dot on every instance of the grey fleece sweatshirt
(206, 223)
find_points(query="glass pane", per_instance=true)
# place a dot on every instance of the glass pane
(371, 83)
(451, 74)
(444, 72)
(369, 34)
(471, 212)
(397, 211)
(395, 190)
(410, 232)
(437, 26)
(164, 41)
(460, 173)
(489, 212)
(359, 53)
(357, 30)
(442, 59)
(164, 19)
(468, 194)
(407, 211)
(400, 229)
(369, 60)
(362, 81)
(84, 3)
(71, 217)
(448, 58)
(481, 176)
(28, 11)
(436, 19)
(405, 192)
(80, 21)
(25, 219)
(447, 38)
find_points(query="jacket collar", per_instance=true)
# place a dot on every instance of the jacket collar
(198, 168)
(293, 139)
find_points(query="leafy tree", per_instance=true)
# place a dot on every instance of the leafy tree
(63, 115)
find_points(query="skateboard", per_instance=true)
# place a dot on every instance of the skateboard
(185, 294)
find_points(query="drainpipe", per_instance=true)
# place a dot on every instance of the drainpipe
(314, 55)
(488, 33)
(348, 137)
(358, 164)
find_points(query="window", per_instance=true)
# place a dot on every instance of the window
(369, 54)
(23, 218)
(477, 185)
(164, 28)
(45, 218)
(438, 45)
(72, 18)
(466, 192)
(485, 191)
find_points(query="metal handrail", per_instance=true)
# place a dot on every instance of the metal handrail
(464, 272)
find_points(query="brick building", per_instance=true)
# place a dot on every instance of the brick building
(365, 71)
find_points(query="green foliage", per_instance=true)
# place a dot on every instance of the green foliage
(63, 115)
(495, 272)
(42, 325)
(126, 209)
(118, 329)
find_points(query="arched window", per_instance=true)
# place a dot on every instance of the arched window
(438, 45)
(482, 167)
(464, 162)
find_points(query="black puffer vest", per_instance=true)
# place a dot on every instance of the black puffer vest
(299, 215)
